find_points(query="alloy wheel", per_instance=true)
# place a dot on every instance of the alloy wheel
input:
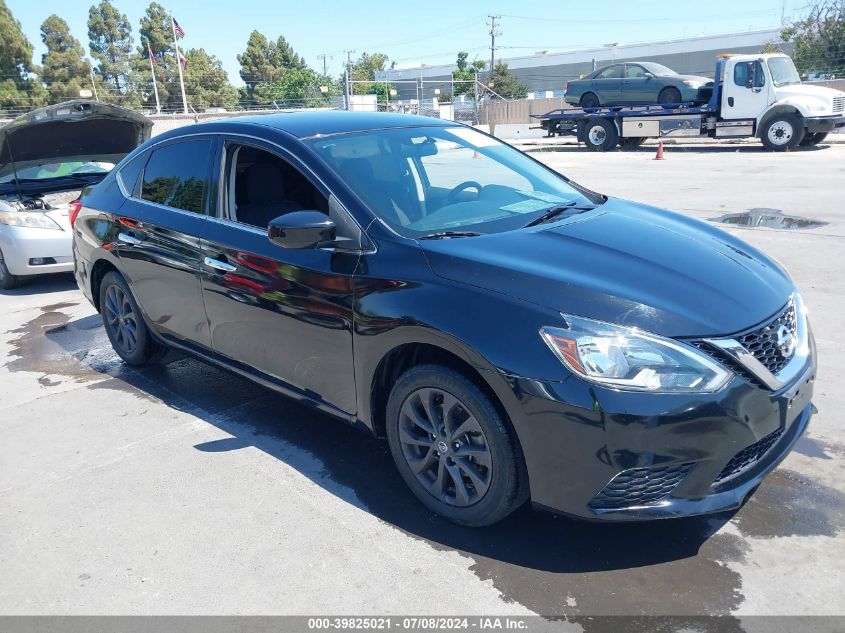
(780, 133)
(121, 319)
(445, 447)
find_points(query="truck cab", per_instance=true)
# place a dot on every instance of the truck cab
(762, 95)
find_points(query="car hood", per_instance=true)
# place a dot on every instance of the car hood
(70, 131)
(699, 78)
(624, 263)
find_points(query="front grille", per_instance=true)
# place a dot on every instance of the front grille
(748, 456)
(640, 487)
(838, 104)
(763, 342)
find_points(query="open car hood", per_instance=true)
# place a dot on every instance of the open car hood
(70, 131)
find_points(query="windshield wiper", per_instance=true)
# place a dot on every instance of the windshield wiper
(445, 235)
(558, 210)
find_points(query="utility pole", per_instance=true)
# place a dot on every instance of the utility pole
(493, 34)
(348, 87)
(324, 59)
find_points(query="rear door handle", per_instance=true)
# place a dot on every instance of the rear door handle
(128, 239)
(218, 265)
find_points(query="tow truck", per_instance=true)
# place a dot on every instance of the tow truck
(753, 96)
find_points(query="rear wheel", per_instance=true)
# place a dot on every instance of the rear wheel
(631, 142)
(124, 324)
(8, 281)
(452, 447)
(599, 135)
(669, 95)
(589, 100)
(813, 139)
(782, 132)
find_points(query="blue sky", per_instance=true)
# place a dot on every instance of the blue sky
(428, 32)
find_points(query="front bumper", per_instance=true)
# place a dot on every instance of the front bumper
(602, 454)
(21, 244)
(825, 123)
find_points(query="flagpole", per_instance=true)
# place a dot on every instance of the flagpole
(179, 65)
(152, 70)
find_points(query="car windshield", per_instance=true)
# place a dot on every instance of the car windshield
(783, 71)
(658, 70)
(424, 181)
(59, 170)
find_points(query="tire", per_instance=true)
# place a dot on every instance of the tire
(470, 443)
(782, 132)
(631, 142)
(813, 139)
(589, 100)
(669, 95)
(8, 281)
(125, 325)
(599, 135)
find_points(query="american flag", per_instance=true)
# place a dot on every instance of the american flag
(178, 29)
(183, 61)
(150, 51)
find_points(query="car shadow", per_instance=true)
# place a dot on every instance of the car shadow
(358, 468)
(43, 284)
(725, 148)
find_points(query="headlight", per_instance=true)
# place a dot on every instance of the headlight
(693, 84)
(30, 219)
(630, 359)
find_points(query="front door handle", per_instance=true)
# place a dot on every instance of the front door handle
(731, 101)
(218, 265)
(128, 239)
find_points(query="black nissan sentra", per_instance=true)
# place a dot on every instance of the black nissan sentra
(512, 334)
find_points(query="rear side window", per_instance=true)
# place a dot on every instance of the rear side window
(611, 72)
(129, 174)
(176, 175)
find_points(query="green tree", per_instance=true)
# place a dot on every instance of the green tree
(819, 38)
(110, 43)
(286, 57)
(366, 67)
(64, 69)
(504, 83)
(206, 83)
(301, 85)
(263, 63)
(18, 87)
(465, 74)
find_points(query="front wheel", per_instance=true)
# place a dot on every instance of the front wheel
(669, 96)
(782, 132)
(452, 447)
(124, 324)
(8, 281)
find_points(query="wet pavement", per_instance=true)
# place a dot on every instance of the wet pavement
(187, 489)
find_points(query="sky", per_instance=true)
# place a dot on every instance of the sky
(430, 32)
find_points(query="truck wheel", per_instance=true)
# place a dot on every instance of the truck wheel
(452, 447)
(669, 95)
(589, 100)
(813, 139)
(782, 132)
(599, 135)
(632, 142)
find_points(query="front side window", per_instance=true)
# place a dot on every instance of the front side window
(426, 180)
(176, 175)
(749, 74)
(633, 71)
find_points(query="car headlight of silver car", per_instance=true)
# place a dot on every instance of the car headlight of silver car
(29, 219)
(631, 359)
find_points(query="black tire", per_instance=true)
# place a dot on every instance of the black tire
(669, 95)
(485, 453)
(813, 139)
(782, 132)
(589, 100)
(8, 281)
(632, 142)
(599, 135)
(124, 324)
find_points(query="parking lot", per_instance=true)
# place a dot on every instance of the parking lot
(188, 490)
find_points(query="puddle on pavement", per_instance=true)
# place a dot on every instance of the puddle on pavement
(767, 218)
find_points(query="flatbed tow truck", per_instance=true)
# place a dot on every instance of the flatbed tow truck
(753, 96)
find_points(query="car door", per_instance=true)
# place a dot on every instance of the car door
(158, 243)
(638, 85)
(745, 90)
(608, 84)
(286, 313)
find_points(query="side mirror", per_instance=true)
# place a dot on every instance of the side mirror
(301, 229)
(648, 75)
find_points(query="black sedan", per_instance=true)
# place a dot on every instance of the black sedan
(512, 334)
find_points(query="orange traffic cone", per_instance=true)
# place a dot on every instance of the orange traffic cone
(475, 154)
(659, 155)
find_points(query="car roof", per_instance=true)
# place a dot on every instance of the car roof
(305, 124)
